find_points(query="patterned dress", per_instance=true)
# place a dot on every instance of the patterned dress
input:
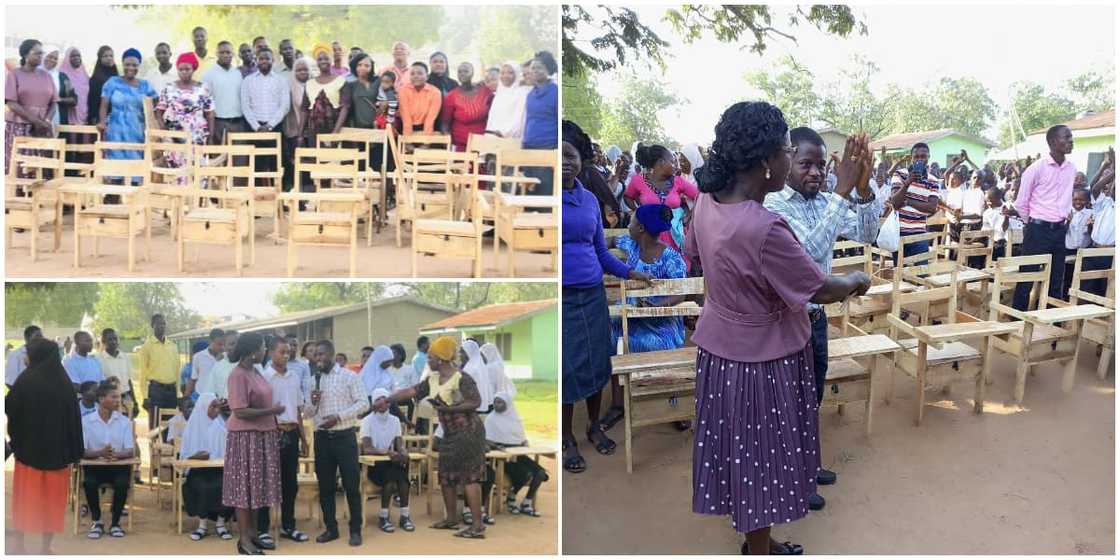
(126, 114)
(651, 333)
(462, 451)
(185, 109)
(322, 105)
(466, 114)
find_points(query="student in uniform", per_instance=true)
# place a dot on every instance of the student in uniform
(287, 391)
(505, 429)
(205, 439)
(381, 434)
(87, 404)
(107, 436)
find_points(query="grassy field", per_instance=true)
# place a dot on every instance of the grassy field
(537, 402)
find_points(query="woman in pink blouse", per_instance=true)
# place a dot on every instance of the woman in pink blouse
(659, 184)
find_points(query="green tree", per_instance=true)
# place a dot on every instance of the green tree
(582, 104)
(789, 86)
(129, 306)
(1034, 108)
(963, 104)
(469, 295)
(514, 32)
(634, 114)
(621, 37)
(1093, 91)
(304, 296)
(55, 303)
(851, 103)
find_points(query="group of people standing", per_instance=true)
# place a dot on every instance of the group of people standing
(244, 401)
(205, 93)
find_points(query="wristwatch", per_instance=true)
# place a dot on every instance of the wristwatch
(868, 200)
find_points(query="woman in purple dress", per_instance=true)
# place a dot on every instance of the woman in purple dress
(756, 452)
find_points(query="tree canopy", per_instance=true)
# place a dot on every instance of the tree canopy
(454, 295)
(128, 307)
(634, 114)
(53, 303)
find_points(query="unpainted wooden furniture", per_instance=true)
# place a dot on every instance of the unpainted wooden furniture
(451, 238)
(31, 200)
(230, 223)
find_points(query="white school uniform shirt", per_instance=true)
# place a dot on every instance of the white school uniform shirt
(1077, 234)
(1104, 225)
(287, 390)
(119, 367)
(97, 433)
(993, 220)
(17, 362)
(201, 364)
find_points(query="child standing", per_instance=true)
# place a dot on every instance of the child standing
(1077, 235)
(993, 219)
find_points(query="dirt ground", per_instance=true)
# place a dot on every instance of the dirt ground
(153, 530)
(1036, 479)
(384, 259)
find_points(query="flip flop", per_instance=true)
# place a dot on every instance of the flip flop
(448, 525)
(470, 533)
(574, 464)
(614, 415)
(605, 445)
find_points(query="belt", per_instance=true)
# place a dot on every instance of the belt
(336, 433)
(816, 314)
(229, 119)
(161, 384)
(1045, 224)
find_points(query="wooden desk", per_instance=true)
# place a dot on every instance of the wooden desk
(661, 359)
(178, 471)
(80, 471)
(497, 504)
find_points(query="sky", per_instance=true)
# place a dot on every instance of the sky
(220, 299)
(996, 44)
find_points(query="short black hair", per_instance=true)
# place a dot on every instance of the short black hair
(1052, 132)
(107, 331)
(86, 385)
(422, 340)
(747, 134)
(220, 43)
(421, 64)
(344, 357)
(264, 50)
(249, 343)
(197, 28)
(156, 316)
(275, 341)
(162, 44)
(647, 156)
(399, 351)
(548, 61)
(804, 134)
(216, 333)
(30, 332)
(80, 333)
(364, 348)
(258, 38)
(919, 145)
(571, 133)
(104, 389)
(326, 343)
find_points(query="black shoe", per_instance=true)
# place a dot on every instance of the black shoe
(355, 539)
(826, 477)
(327, 537)
(816, 502)
(264, 544)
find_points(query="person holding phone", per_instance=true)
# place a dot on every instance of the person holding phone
(337, 399)
(914, 197)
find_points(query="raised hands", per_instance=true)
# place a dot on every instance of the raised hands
(854, 169)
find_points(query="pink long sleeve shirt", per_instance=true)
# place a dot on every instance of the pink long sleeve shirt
(1046, 190)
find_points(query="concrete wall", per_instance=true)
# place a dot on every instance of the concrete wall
(394, 323)
(943, 150)
(533, 350)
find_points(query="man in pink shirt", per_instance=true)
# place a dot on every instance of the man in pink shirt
(399, 67)
(1044, 203)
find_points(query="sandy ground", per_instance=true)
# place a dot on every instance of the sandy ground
(384, 259)
(1032, 480)
(153, 531)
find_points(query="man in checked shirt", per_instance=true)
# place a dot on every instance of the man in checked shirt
(818, 218)
(337, 399)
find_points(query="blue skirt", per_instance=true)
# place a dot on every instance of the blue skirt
(587, 348)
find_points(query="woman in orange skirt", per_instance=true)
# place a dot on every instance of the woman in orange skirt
(46, 437)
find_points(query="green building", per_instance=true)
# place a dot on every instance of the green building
(524, 332)
(943, 145)
(1093, 134)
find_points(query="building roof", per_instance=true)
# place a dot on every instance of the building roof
(1105, 119)
(829, 129)
(490, 316)
(907, 139)
(298, 317)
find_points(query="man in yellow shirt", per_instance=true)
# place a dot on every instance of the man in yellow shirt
(159, 370)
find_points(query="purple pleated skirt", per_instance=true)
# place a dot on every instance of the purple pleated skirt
(756, 452)
(251, 477)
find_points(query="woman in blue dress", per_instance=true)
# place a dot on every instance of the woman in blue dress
(121, 117)
(646, 253)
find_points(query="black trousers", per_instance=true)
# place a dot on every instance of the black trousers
(334, 452)
(1098, 286)
(289, 485)
(288, 152)
(1043, 239)
(119, 477)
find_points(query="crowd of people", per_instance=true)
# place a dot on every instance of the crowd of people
(245, 399)
(763, 207)
(205, 92)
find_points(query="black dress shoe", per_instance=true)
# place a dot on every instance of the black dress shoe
(355, 539)
(826, 477)
(327, 537)
(816, 502)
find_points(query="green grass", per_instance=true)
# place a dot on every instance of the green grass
(537, 402)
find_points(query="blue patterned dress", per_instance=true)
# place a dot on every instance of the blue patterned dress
(651, 333)
(126, 114)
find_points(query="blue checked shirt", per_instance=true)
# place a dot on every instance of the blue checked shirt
(819, 221)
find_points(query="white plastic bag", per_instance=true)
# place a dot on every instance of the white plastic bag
(888, 233)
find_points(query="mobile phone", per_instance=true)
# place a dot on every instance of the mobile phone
(919, 167)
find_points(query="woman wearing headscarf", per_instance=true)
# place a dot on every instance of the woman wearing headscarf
(507, 111)
(660, 184)
(75, 71)
(44, 451)
(496, 369)
(375, 372)
(294, 120)
(756, 453)
(439, 75)
(465, 109)
(690, 161)
(30, 96)
(186, 105)
(587, 346)
(121, 115)
(475, 366)
(462, 451)
(323, 102)
(103, 69)
(381, 434)
(505, 429)
(67, 98)
(205, 439)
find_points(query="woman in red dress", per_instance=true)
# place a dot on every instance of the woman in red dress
(466, 108)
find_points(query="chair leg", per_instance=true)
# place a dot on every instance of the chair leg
(57, 227)
(353, 250)
(879, 368)
(985, 374)
(1024, 362)
(415, 258)
(179, 252)
(629, 428)
(1070, 373)
(1104, 362)
(34, 230)
(131, 252)
(921, 377)
(237, 250)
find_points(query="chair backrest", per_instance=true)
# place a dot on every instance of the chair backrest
(267, 143)
(1009, 272)
(975, 243)
(149, 114)
(490, 144)
(112, 167)
(862, 260)
(35, 158)
(368, 137)
(911, 272)
(80, 140)
(511, 163)
(670, 287)
(1077, 294)
(219, 166)
(330, 165)
(160, 146)
(409, 142)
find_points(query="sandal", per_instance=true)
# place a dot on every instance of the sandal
(116, 532)
(776, 548)
(449, 525)
(95, 530)
(468, 519)
(471, 533)
(574, 464)
(614, 414)
(221, 531)
(605, 445)
(487, 519)
(294, 535)
(527, 509)
(264, 542)
(385, 525)
(199, 534)
(406, 524)
(511, 506)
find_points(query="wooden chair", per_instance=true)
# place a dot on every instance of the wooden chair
(330, 218)
(1100, 331)
(524, 231)
(971, 281)
(371, 182)
(229, 224)
(165, 177)
(29, 199)
(78, 497)
(935, 355)
(857, 361)
(865, 314)
(411, 202)
(1042, 333)
(448, 238)
(266, 186)
(511, 164)
(409, 142)
(847, 263)
(266, 144)
(80, 150)
(655, 392)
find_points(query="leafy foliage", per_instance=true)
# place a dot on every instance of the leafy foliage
(790, 87)
(619, 31)
(52, 303)
(304, 296)
(128, 307)
(1035, 108)
(582, 104)
(633, 115)
(1093, 91)
(460, 296)
(852, 104)
(513, 32)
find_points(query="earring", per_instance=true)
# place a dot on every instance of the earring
(767, 172)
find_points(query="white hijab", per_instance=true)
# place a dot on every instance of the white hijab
(505, 427)
(373, 375)
(48, 49)
(507, 110)
(692, 154)
(200, 433)
(499, 381)
(476, 368)
(385, 426)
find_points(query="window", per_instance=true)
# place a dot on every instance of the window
(504, 342)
